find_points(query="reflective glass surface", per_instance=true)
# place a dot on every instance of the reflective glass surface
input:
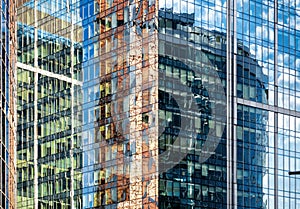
(49, 106)
(158, 104)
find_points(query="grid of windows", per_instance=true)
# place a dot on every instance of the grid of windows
(126, 107)
(266, 72)
(272, 40)
(49, 76)
(100, 89)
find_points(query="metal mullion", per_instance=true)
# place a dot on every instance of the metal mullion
(35, 138)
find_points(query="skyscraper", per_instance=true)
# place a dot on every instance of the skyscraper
(48, 144)
(7, 113)
(158, 104)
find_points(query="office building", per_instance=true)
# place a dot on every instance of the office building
(48, 69)
(158, 104)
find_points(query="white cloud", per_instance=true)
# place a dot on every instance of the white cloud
(280, 59)
(214, 16)
(288, 78)
(271, 13)
(176, 4)
(298, 21)
(298, 63)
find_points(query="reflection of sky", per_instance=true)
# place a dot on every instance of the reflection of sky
(289, 157)
(208, 15)
(57, 8)
(255, 27)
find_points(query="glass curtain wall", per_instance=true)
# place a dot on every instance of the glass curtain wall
(270, 30)
(49, 106)
(192, 58)
(106, 87)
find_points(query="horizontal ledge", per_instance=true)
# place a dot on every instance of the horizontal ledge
(268, 107)
(48, 73)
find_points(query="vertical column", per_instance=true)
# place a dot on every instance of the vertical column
(231, 52)
(276, 159)
(276, 103)
(35, 148)
(135, 105)
(12, 114)
(234, 107)
(229, 104)
(72, 106)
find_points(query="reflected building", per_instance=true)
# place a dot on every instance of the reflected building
(187, 59)
(49, 119)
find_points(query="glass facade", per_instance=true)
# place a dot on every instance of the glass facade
(49, 107)
(158, 104)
